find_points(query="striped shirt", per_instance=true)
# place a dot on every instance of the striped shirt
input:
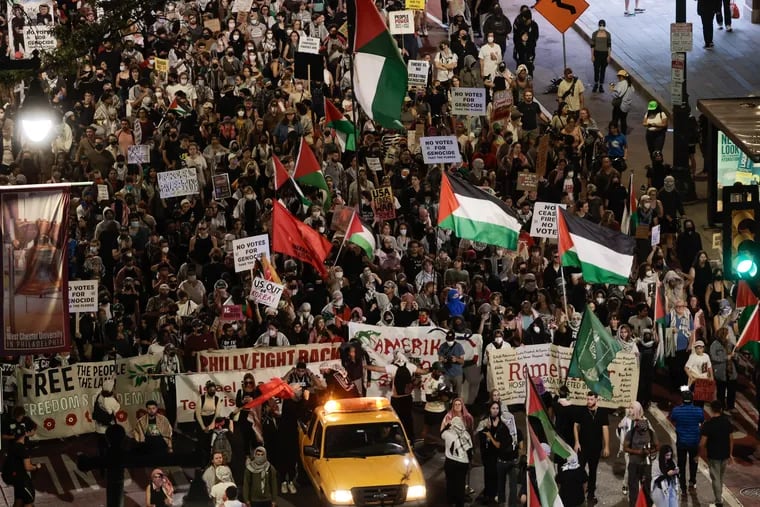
(687, 419)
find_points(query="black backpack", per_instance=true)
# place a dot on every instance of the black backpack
(99, 414)
(403, 381)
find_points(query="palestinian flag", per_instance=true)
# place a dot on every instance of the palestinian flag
(630, 218)
(533, 500)
(660, 315)
(603, 255)
(345, 132)
(292, 237)
(476, 215)
(178, 110)
(534, 407)
(379, 73)
(309, 171)
(548, 492)
(594, 350)
(749, 339)
(281, 177)
(744, 295)
(358, 234)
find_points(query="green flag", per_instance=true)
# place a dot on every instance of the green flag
(594, 351)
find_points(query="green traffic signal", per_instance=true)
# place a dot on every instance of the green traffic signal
(747, 259)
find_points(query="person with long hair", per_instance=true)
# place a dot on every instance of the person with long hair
(665, 479)
(622, 100)
(499, 452)
(458, 409)
(656, 122)
(458, 446)
(160, 491)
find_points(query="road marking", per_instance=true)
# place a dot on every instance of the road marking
(74, 472)
(728, 496)
(435, 20)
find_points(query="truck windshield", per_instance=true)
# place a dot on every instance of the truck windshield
(362, 440)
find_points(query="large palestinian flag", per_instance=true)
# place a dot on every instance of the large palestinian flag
(603, 255)
(476, 215)
(380, 76)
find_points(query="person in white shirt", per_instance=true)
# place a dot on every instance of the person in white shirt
(230, 497)
(218, 490)
(457, 444)
(490, 57)
(107, 402)
(698, 366)
(445, 62)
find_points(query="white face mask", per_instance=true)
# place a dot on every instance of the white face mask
(272, 333)
(183, 81)
(249, 197)
(490, 40)
(402, 232)
(165, 249)
(241, 113)
(338, 303)
(498, 340)
(647, 205)
(122, 68)
(321, 229)
(571, 174)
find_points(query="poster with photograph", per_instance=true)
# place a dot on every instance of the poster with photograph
(32, 27)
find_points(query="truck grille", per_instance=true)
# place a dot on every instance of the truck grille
(379, 495)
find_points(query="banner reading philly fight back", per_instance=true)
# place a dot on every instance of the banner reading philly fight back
(35, 280)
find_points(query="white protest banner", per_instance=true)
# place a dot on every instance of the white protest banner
(40, 38)
(102, 193)
(33, 28)
(374, 164)
(60, 400)
(468, 101)
(177, 183)
(242, 5)
(507, 370)
(83, 296)
(401, 22)
(656, 235)
(440, 150)
(248, 250)
(421, 345)
(417, 71)
(257, 358)
(265, 292)
(544, 223)
(138, 154)
(308, 45)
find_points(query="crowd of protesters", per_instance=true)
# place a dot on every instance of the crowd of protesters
(233, 96)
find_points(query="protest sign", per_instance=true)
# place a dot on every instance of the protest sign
(374, 164)
(83, 296)
(502, 104)
(248, 250)
(232, 312)
(242, 5)
(102, 193)
(401, 22)
(265, 292)
(177, 183)
(60, 400)
(656, 235)
(258, 358)
(527, 181)
(542, 156)
(212, 24)
(416, 5)
(222, 188)
(33, 28)
(544, 222)
(138, 154)
(383, 204)
(40, 38)
(161, 64)
(417, 71)
(468, 101)
(341, 217)
(508, 369)
(440, 150)
(308, 45)
(421, 346)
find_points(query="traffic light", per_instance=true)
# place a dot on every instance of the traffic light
(741, 234)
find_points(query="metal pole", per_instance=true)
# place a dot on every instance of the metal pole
(681, 111)
(564, 52)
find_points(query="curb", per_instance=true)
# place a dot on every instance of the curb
(583, 29)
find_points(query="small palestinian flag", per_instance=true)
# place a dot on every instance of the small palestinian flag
(178, 110)
(358, 234)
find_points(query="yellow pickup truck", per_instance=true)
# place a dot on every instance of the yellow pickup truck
(355, 452)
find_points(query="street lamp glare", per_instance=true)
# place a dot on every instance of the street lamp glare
(37, 129)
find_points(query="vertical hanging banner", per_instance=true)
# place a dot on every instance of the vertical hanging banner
(35, 315)
(32, 27)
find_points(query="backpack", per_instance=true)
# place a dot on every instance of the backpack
(99, 414)
(222, 444)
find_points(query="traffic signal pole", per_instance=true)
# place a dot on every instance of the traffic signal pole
(681, 111)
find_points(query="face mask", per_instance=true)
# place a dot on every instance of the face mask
(249, 197)
(191, 278)
(490, 40)
(165, 249)
(94, 249)
(321, 229)
(134, 224)
(338, 303)
(122, 68)
(98, 146)
(201, 82)
(159, 95)
(647, 205)
(599, 301)
(272, 333)
(402, 232)
(339, 274)
(235, 37)
(650, 273)
(498, 340)
(241, 113)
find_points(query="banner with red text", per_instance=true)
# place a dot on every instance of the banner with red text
(35, 316)
(420, 345)
(507, 370)
(60, 400)
(256, 358)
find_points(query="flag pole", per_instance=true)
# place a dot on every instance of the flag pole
(351, 21)
(345, 236)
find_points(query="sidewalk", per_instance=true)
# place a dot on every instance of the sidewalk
(641, 45)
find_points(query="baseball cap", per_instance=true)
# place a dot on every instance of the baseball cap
(652, 105)
(622, 73)
(699, 343)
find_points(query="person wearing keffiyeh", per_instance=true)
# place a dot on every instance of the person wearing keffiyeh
(259, 480)
(160, 491)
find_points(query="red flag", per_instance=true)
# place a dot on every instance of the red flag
(293, 237)
(641, 499)
(275, 388)
(744, 295)
(306, 163)
(280, 173)
(751, 331)
(659, 304)
(533, 500)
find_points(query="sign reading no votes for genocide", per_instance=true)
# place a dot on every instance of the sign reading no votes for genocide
(248, 250)
(440, 150)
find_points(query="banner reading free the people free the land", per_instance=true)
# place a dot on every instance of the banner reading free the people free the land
(508, 369)
(35, 316)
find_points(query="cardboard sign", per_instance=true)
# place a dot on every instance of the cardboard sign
(440, 150)
(341, 217)
(177, 183)
(374, 164)
(232, 312)
(383, 204)
(468, 101)
(542, 156)
(502, 104)
(161, 65)
(242, 5)
(417, 71)
(415, 5)
(308, 45)
(401, 22)
(212, 24)
(248, 250)
(544, 223)
(83, 296)
(138, 154)
(102, 193)
(222, 188)
(656, 235)
(265, 292)
(527, 181)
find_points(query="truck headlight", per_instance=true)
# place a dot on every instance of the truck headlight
(416, 493)
(341, 496)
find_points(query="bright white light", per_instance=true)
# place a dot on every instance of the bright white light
(341, 496)
(417, 492)
(38, 129)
